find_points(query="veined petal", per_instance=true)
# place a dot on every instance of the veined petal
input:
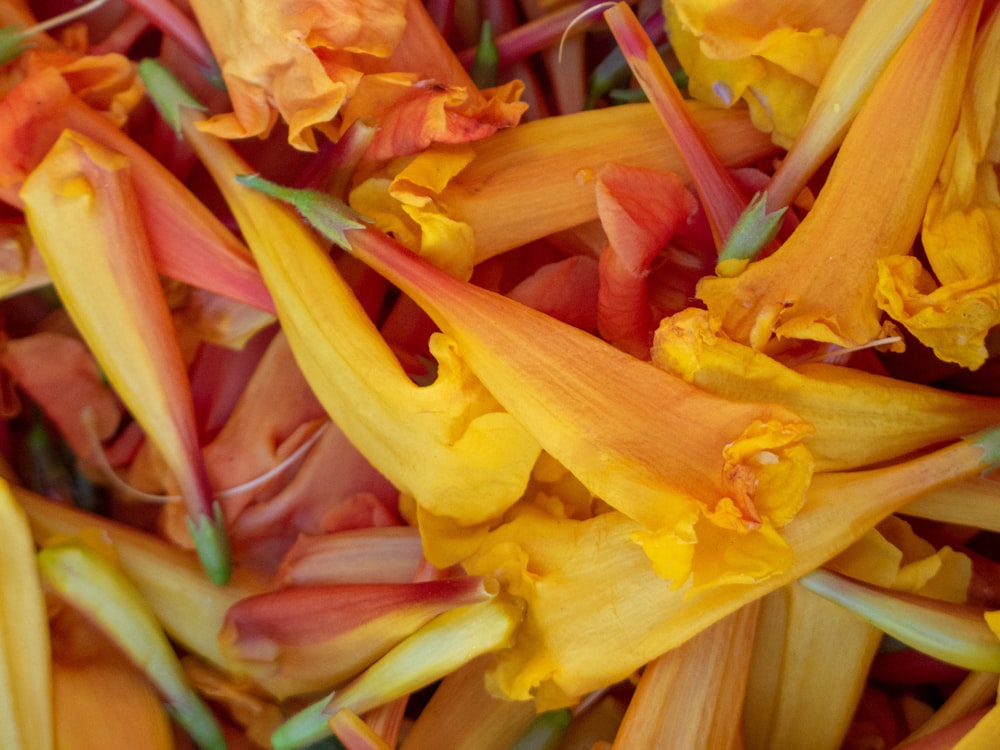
(860, 418)
(445, 443)
(306, 638)
(82, 211)
(859, 216)
(26, 720)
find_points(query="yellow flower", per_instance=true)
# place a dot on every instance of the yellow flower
(953, 307)
(448, 444)
(587, 582)
(772, 55)
(860, 216)
(860, 418)
(537, 179)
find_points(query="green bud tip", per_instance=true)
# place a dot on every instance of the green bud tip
(212, 544)
(329, 216)
(753, 230)
(167, 93)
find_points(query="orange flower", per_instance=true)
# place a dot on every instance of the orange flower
(859, 216)
(322, 67)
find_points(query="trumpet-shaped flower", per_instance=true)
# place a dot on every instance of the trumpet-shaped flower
(737, 472)
(307, 638)
(82, 211)
(860, 418)
(322, 67)
(25, 669)
(773, 55)
(445, 444)
(952, 307)
(587, 581)
(537, 179)
(859, 216)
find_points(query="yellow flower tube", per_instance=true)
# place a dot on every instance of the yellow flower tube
(531, 181)
(860, 215)
(587, 582)
(448, 444)
(860, 418)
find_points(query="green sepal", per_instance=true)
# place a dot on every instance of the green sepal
(329, 216)
(13, 42)
(212, 544)
(167, 93)
(308, 726)
(199, 722)
(753, 230)
(486, 63)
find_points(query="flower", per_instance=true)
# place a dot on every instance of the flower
(952, 307)
(322, 67)
(99, 260)
(859, 216)
(860, 419)
(773, 57)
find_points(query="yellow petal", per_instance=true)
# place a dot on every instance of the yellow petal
(25, 667)
(445, 444)
(860, 418)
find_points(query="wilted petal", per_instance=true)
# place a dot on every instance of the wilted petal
(637, 232)
(376, 555)
(537, 179)
(587, 582)
(444, 443)
(859, 216)
(82, 211)
(188, 242)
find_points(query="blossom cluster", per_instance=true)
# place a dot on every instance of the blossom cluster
(500, 373)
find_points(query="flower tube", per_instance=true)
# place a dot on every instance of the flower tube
(81, 210)
(859, 216)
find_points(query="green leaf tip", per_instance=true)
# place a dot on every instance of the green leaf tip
(308, 726)
(166, 92)
(329, 216)
(487, 60)
(212, 544)
(13, 43)
(989, 441)
(753, 230)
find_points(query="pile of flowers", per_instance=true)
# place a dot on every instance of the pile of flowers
(515, 373)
